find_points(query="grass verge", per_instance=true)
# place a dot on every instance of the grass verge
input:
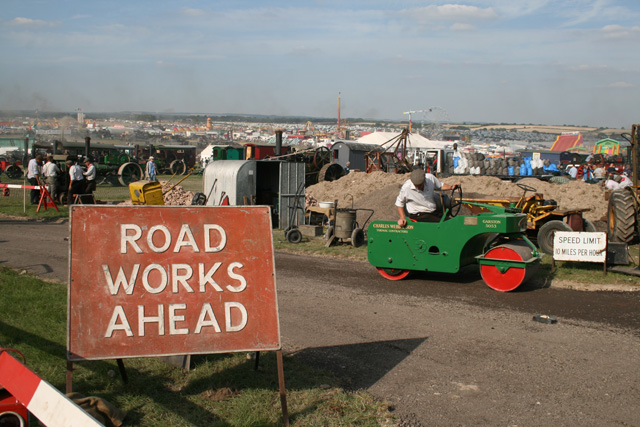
(220, 390)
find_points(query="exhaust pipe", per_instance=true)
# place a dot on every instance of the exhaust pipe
(278, 142)
(87, 146)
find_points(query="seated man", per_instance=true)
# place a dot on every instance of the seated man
(417, 195)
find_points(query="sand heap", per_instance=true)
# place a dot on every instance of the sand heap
(378, 191)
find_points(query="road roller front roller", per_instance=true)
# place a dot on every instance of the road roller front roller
(494, 240)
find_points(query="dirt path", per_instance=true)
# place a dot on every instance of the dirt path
(441, 350)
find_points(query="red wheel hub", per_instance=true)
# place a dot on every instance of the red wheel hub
(514, 276)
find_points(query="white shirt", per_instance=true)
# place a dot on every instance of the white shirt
(417, 201)
(75, 173)
(33, 169)
(598, 173)
(573, 172)
(611, 184)
(50, 170)
(625, 182)
(90, 173)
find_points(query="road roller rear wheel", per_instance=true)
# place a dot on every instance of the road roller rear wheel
(392, 273)
(512, 277)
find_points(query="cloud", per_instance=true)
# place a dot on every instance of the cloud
(164, 64)
(588, 67)
(618, 32)
(192, 12)
(305, 51)
(514, 9)
(458, 26)
(620, 85)
(28, 22)
(449, 12)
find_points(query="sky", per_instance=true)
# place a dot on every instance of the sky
(554, 62)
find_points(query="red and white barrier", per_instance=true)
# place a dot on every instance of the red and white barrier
(28, 187)
(43, 400)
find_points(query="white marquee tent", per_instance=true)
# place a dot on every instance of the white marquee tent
(414, 142)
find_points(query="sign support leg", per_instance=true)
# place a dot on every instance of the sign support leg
(257, 361)
(123, 371)
(69, 376)
(283, 392)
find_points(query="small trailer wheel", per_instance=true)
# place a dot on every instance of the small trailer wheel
(294, 236)
(357, 237)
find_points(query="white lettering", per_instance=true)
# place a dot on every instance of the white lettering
(181, 278)
(205, 312)
(163, 279)
(207, 238)
(121, 280)
(118, 315)
(173, 318)
(233, 275)
(142, 320)
(185, 231)
(243, 319)
(167, 238)
(124, 238)
(208, 278)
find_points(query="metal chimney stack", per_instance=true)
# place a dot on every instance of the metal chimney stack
(278, 142)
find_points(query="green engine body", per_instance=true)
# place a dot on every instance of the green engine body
(445, 246)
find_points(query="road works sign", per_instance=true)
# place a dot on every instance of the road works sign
(579, 246)
(168, 280)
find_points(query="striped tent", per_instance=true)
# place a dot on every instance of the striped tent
(607, 146)
(566, 141)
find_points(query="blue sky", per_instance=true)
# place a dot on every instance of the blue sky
(504, 61)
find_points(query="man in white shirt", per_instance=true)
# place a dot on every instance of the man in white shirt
(90, 176)
(417, 196)
(51, 172)
(76, 181)
(33, 175)
(573, 172)
(598, 173)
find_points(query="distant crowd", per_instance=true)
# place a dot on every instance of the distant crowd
(609, 176)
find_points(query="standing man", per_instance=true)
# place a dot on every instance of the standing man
(33, 174)
(151, 170)
(417, 196)
(90, 176)
(573, 172)
(76, 180)
(598, 173)
(347, 168)
(51, 172)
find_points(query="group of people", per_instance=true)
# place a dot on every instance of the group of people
(599, 173)
(80, 181)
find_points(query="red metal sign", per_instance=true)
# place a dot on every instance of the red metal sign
(170, 280)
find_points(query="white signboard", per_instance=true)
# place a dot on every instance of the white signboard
(579, 246)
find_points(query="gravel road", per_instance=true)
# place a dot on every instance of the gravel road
(441, 350)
